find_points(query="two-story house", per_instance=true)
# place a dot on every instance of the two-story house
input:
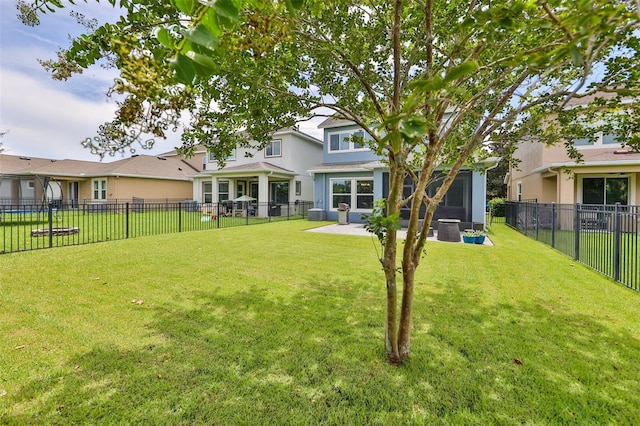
(607, 174)
(275, 175)
(353, 174)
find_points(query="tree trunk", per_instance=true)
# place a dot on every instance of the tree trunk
(396, 179)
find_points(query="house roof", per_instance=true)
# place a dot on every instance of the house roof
(611, 158)
(356, 166)
(256, 167)
(140, 166)
(334, 122)
(14, 164)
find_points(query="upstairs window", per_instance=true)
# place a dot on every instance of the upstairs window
(273, 148)
(346, 141)
(232, 156)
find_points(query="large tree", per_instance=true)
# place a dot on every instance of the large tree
(431, 82)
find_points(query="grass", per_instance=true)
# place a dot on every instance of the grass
(16, 229)
(271, 325)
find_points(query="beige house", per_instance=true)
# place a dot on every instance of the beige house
(29, 180)
(608, 174)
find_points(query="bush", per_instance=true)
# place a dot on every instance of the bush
(496, 206)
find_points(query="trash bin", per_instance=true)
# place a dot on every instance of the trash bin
(343, 213)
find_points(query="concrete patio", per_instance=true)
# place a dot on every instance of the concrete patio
(359, 230)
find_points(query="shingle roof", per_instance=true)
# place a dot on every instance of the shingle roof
(258, 166)
(144, 166)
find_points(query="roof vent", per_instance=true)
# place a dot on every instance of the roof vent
(624, 151)
(25, 158)
(161, 158)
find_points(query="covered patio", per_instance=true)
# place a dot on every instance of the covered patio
(249, 187)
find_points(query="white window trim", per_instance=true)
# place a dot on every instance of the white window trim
(598, 143)
(519, 191)
(351, 147)
(106, 189)
(630, 176)
(212, 159)
(353, 195)
(271, 144)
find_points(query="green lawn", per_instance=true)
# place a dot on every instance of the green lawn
(16, 229)
(268, 324)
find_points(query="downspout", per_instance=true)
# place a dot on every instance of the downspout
(557, 175)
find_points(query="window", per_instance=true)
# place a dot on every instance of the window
(280, 192)
(31, 184)
(605, 190)
(519, 191)
(357, 192)
(598, 141)
(232, 156)
(223, 191)
(346, 141)
(609, 139)
(364, 194)
(99, 189)
(298, 187)
(207, 195)
(273, 148)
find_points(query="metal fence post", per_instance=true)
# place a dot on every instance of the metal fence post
(616, 242)
(576, 231)
(536, 218)
(50, 217)
(179, 217)
(553, 224)
(126, 209)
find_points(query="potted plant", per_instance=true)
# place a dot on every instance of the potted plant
(469, 236)
(479, 236)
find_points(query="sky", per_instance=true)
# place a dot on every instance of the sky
(49, 118)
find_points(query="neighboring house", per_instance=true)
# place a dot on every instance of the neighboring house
(275, 175)
(351, 173)
(28, 180)
(608, 174)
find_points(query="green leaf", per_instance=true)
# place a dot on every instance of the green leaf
(204, 60)
(576, 56)
(429, 85)
(461, 70)
(165, 38)
(227, 9)
(185, 72)
(210, 22)
(185, 6)
(293, 5)
(200, 35)
(413, 127)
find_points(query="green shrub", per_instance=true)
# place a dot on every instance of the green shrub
(497, 206)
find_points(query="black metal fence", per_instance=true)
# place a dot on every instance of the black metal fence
(34, 226)
(604, 237)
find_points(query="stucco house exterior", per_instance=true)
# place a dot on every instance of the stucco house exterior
(353, 174)
(275, 175)
(608, 173)
(33, 181)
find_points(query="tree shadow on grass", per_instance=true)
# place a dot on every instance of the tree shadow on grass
(255, 357)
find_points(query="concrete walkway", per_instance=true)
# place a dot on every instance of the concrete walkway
(358, 229)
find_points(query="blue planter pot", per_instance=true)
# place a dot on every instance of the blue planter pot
(479, 239)
(469, 240)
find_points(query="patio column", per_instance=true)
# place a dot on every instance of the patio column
(263, 195)
(214, 189)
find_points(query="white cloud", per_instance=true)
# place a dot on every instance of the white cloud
(47, 122)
